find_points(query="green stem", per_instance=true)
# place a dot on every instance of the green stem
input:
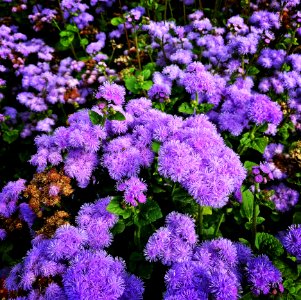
(111, 57)
(254, 217)
(137, 236)
(184, 12)
(200, 221)
(137, 50)
(73, 51)
(242, 149)
(165, 9)
(219, 224)
(170, 8)
(200, 5)
(56, 25)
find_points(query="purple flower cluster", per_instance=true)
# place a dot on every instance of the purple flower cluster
(291, 240)
(216, 268)
(75, 255)
(75, 11)
(9, 197)
(80, 140)
(133, 189)
(284, 197)
(196, 156)
(111, 92)
(263, 276)
(174, 242)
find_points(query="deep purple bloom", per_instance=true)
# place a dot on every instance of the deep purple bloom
(292, 240)
(9, 197)
(284, 197)
(262, 275)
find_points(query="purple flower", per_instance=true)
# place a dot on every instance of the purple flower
(111, 92)
(292, 240)
(284, 197)
(174, 242)
(133, 189)
(66, 243)
(96, 222)
(2, 234)
(262, 275)
(27, 214)
(94, 275)
(9, 197)
(264, 110)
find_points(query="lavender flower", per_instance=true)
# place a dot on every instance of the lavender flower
(111, 92)
(134, 190)
(284, 197)
(264, 110)
(174, 242)
(9, 197)
(262, 275)
(292, 240)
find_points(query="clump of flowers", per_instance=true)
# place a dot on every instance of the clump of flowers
(215, 268)
(284, 197)
(72, 264)
(291, 240)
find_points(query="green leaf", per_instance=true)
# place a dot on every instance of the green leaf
(84, 42)
(146, 73)
(149, 213)
(156, 146)
(146, 85)
(245, 140)
(249, 165)
(260, 220)
(268, 244)
(96, 118)
(118, 228)
(117, 20)
(244, 241)
(131, 84)
(150, 66)
(297, 217)
(253, 71)
(117, 116)
(204, 107)
(67, 38)
(10, 136)
(115, 207)
(259, 144)
(246, 209)
(186, 108)
(180, 195)
(72, 28)
(156, 189)
(207, 210)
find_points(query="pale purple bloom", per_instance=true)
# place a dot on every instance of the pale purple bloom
(111, 92)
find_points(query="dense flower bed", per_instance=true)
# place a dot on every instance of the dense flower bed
(150, 149)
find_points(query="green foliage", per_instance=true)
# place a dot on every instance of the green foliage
(117, 21)
(96, 118)
(185, 108)
(138, 81)
(118, 208)
(268, 244)
(148, 213)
